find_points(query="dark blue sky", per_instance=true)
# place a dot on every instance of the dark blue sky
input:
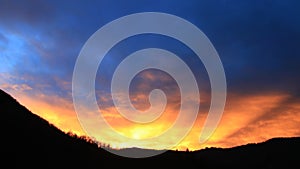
(258, 41)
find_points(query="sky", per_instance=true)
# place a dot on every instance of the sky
(257, 42)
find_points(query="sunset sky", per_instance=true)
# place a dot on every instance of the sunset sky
(258, 43)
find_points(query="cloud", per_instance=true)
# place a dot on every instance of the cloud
(31, 11)
(257, 43)
(255, 119)
(16, 87)
(279, 120)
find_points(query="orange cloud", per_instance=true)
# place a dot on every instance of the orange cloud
(15, 87)
(251, 119)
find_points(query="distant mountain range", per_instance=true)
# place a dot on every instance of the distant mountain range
(28, 141)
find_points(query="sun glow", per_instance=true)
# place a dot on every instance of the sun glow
(246, 119)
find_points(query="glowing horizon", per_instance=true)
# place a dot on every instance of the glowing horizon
(230, 132)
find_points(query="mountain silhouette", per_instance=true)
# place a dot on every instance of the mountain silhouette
(28, 141)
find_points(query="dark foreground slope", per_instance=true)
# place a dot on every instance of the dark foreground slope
(29, 141)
